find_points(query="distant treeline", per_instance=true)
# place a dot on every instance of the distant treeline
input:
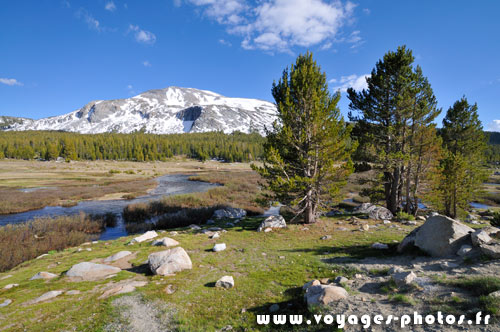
(235, 147)
(50, 145)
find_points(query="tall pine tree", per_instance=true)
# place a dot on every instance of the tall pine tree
(307, 153)
(396, 112)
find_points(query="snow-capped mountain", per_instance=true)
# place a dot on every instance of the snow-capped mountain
(163, 111)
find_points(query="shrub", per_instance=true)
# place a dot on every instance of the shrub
(496, 219)
(107, 219)
(22, 242)
(404, 216)
(136, 213)
(114, 171)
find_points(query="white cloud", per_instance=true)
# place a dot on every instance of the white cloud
(110, 5)
(146, 63)
(10, 81)
(494, 125)
(92, 23)
(279, 25)
(142, 36)
(130, 89)
(225, 42)
(354, 81)
(367, 11)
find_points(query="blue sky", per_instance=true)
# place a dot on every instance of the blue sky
(56, 56)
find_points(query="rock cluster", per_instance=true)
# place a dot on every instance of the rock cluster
(229, 213)
(441, 236)
(375, 212)
(272, 222)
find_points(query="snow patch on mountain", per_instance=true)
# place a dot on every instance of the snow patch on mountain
(163, 111)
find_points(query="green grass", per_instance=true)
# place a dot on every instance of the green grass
(479, 289)
(401, 298)
(260, 280)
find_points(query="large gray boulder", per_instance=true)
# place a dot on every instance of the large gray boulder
(229, 213)
(272, 222)
(169, 261)
(491, 250)
(375, 212)
(324, 294)
(408, 242)
(87, 271)
(441, 236)
(480, 237)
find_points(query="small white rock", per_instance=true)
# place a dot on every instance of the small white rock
(225, 282)
(5, 303)
(219, 247)
(9, 286)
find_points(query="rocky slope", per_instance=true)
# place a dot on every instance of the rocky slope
(163, 111)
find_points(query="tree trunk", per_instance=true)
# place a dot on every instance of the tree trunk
(309, 213)
(393, 199)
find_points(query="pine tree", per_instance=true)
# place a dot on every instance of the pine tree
(461, 172)
(396, 109)
(307, 152)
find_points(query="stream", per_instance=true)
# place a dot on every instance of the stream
(167, 185)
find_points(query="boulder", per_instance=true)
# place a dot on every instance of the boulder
(491, 250)
(495, 294)
(375, 212)
(87, 271)
(215, 236)
(324, 294)
(272, 222)
(379, 246)
(403, 279)
(117, 256)
(311, 283)
(340, 280)
(408, 242)
(144, 237)
(225, 282)
(441, 236)
(44, 275)
(229, 213)
(395, 269)
(169, 261)
(219, 247)
(46, 296)
(480, 237)
(5, 303)
(166, 242)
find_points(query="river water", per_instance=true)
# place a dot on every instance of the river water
(167, 185)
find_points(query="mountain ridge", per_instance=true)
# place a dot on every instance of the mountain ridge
(159, 111)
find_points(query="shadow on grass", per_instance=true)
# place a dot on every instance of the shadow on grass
(141, 269)
(294, 306)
